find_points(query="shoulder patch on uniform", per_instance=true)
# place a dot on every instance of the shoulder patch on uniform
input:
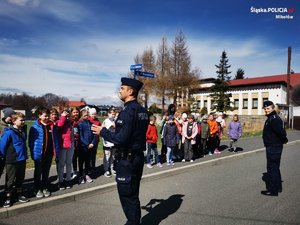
(143, 116)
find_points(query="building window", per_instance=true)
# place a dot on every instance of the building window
(198, 104)
(245, 103)
(205, 103)
(265, 99)
(236, 103)
(254, 103)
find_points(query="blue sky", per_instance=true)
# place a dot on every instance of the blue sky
(81, 48)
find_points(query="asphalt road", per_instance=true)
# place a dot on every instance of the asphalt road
(225, 192)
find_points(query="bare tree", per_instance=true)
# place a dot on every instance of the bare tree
(148, 61)
(182, 76)
(54, 100)
(163, 71)
(26, 102)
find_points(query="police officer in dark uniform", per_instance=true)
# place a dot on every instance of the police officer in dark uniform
(130, 140)
(274, 136)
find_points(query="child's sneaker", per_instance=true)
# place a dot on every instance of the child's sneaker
(217, 151)
(113, 172)
(168, 164)
(81, 180)
(149, 166)
(23, 199)
(74, 175)
(68, 184)
(88, 179)
(209, 153)
(7, 203)
(61, 186)
(39, 194)
(46, 193)
(159, 165)
(191, 160)
(107, 174)
(183, 160)
(172, 163)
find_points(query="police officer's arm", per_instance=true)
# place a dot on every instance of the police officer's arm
(120, 138)
(277, 128)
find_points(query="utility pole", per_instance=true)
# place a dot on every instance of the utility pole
(288, 84)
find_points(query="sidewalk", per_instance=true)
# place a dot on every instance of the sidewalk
(101, 183)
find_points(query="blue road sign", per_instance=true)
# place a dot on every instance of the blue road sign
(136, 67)
(147, 74)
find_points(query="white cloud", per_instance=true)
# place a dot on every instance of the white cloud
(65, 10)
(91, 67)
(26, 11)
(39, 76)
(255, 56)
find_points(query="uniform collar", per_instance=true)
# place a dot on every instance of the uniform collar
(129, 102)
(271, 114)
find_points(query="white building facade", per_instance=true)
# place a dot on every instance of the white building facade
(247, 95)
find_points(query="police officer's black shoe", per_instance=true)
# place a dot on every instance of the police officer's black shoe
(269, 193)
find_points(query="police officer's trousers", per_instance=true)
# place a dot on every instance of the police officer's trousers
(273, 169)
(129, 173)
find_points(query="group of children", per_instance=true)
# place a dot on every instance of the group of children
(68, 139)
(184, 139)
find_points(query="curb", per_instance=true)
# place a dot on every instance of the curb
(76, 195)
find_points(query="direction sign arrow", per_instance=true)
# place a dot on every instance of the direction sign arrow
(136, 67)
(147, 74)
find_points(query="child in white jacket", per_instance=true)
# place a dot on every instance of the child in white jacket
(189, 133)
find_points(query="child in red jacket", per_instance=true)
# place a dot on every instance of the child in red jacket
(151, 139)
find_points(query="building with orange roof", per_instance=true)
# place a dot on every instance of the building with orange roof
(248, 94)
(73, 104)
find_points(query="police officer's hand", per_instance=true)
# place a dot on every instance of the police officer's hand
(96, 129)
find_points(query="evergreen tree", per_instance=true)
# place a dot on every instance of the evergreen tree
(220, 97)
(239, 74)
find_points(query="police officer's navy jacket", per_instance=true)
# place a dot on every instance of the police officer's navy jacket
(13, 145)
(274, 133)
(131, 127)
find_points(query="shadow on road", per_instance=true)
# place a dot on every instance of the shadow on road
(160, 209)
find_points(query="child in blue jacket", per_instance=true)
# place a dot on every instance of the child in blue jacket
(13, 149)
(44, 145)
(87, 142)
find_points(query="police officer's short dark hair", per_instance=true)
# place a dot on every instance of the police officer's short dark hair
(135, 92)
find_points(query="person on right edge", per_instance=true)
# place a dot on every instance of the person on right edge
(274, 136)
